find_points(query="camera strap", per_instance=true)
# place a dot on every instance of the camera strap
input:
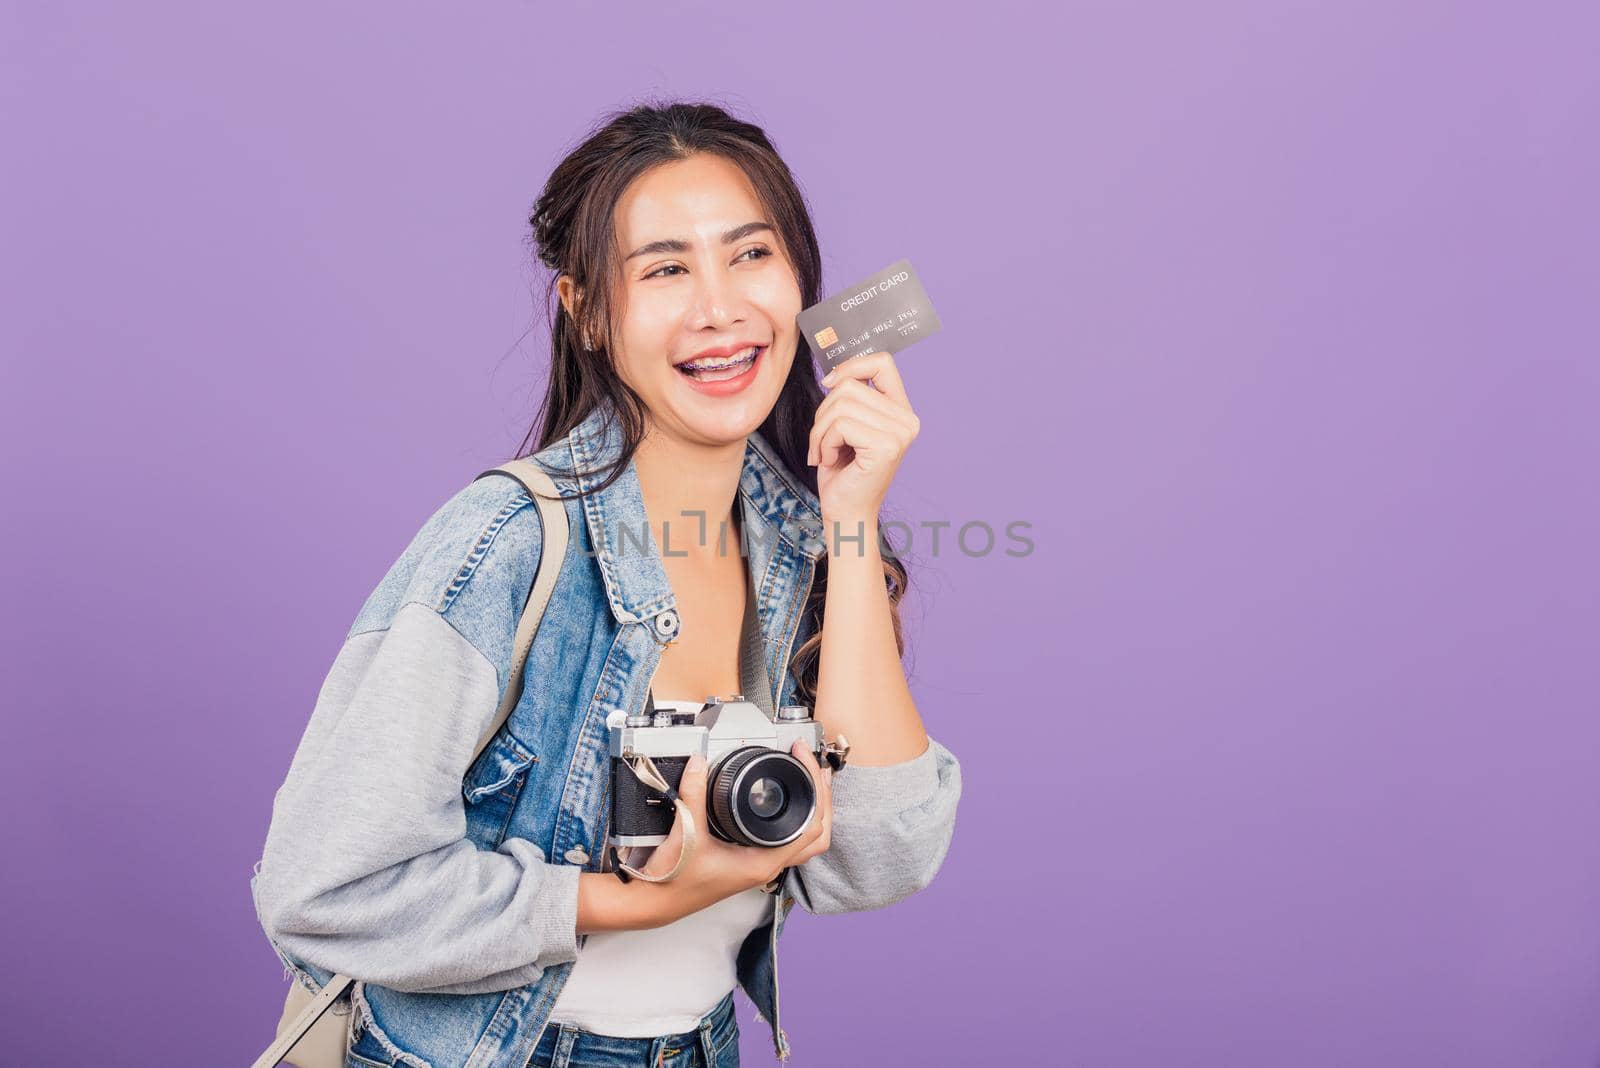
(646, 771)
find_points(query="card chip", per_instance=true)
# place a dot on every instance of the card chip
(827, 337)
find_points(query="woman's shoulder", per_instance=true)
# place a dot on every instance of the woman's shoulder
(472, 556)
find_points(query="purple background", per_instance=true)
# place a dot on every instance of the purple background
(1276, 321)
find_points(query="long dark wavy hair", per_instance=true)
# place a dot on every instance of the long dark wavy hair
(573, 234)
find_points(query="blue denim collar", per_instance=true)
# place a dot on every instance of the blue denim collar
(636, 583)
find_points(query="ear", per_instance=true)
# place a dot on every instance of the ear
(570, 295)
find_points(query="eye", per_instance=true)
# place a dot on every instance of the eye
(756, 253)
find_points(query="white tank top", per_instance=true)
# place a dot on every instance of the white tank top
(662, 981)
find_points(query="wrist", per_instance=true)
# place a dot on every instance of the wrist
(848, 516)
(850, 533)
(656, 904)
(606, 903)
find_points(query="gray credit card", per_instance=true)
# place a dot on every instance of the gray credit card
(882, 313)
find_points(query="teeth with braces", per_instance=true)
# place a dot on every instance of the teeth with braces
(729, 362)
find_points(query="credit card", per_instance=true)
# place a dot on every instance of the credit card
(884, 312)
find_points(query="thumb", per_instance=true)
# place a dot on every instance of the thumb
(692, 787)
(662, 857)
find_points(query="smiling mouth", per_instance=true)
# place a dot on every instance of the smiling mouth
(722, 368)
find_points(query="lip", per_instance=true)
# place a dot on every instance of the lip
(727, 387)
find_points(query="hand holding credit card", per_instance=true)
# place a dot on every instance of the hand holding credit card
(884, 312)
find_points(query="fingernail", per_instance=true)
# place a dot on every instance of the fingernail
(696, 762)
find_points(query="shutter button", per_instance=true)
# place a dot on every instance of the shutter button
(667, 624)
(576, 855)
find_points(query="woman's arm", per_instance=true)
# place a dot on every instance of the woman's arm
(367, 868)
(895, 800)
(892, 826)
(861, 684)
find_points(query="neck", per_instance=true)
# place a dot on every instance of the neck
(689, 492)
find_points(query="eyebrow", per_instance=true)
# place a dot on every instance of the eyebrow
(679, 245)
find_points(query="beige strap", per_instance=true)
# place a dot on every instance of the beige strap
(553, 550)
(302, 1023)
(554, 516)
(651, 776)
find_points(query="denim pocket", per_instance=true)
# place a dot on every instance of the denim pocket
(370, 1045)
(368, 1052)
(491, 788)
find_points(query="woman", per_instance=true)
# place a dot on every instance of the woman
(724, 518)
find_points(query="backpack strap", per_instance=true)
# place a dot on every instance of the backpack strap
(553, 550)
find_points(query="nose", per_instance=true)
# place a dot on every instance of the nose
(717, 302)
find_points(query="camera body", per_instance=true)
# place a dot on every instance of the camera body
(757, 791)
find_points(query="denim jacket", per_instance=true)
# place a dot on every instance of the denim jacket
(395, 857)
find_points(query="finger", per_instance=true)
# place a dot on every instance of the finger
(877, 366)
(825, 806)
(666, 854)
(802, 753)
(825, 802)
(881, 409)
(857, 434)
(692, 786)
(692, 789)
(662, 857)
(885, 426)
(874, 407)
(822, 820)
(853, 391)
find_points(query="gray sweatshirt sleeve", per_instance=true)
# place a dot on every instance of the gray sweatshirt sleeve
(367, 869)
(892, 826)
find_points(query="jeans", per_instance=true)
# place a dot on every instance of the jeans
(714, 1044)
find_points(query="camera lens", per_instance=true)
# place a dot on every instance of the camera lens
(760, 796)
(767, 797)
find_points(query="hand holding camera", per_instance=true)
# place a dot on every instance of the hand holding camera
(726, 796)
(719, 869)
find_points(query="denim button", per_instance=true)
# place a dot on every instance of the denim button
(667, 624)
(576, 855)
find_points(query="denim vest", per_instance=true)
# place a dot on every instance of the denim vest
(546, 776)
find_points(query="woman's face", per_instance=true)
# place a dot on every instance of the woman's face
(705, 279)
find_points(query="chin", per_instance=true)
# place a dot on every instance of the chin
(734, 422)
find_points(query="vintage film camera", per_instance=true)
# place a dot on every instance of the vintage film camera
(757, 792)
